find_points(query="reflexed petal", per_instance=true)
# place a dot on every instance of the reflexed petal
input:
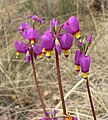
(31, 34)
(24, 26)
(47, 42)
(74, 24)
(27, 58)
(37, 50)
(35, 18)
(84, 63)
(20, 47)
(66, 41)
(77, 57)
(89, 38)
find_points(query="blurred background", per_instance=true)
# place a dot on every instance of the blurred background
(18, 95)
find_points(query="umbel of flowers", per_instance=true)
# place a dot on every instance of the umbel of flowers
(58, 38)
(81, 60)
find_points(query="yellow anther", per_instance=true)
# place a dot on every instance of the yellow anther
(48, 54)
(68, 118)
(77, 35)
(32, 42)
(44, 51)
(66, 53)
(85, 75)
(40, 56)
(17, 54)
(77, 67)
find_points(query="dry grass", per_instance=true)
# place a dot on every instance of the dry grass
(18, 96)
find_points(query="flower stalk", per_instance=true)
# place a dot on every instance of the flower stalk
(90, 98)
(59, 82)
(37, 86)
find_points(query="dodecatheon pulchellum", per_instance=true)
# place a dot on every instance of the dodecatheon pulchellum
(24, 26)
(85, 65)
(31, 35)
(77, 60)
(36, 18)
(47, 42)
(89, 38)
(53, 25)
(20, 48)
(50, 116)
(38, 50)
(66, 41)
(72, 26)
(70, 118)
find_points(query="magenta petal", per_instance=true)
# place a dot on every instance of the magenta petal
(35, 18)
(74, 24)
(47, 41)
(84, 63)
(53, 22)
(24, 26)
(37, 49)
(77, 57)
(31, 34)
(58, 48)
(66, 41)
(27, 58)
(89, 38)
(20, 46)
(73, 118)
(40, 20)
(67, 27)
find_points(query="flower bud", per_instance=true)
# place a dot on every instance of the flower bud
(85, 65)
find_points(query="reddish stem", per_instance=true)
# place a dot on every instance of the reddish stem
(90, 98)
(38, 89)
(59, 82)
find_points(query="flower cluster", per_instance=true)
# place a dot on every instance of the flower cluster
(82, 60)
(60, 38)
(51, 116)
(31, 36)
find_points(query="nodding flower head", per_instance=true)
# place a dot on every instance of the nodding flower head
(89, 38)
(31, 35)
(70, 118)
(72, 26)
(38, 51)
(50, 116)
(20, 48)
(85, 65)
(24, 26)
(77, 60)
(53, 25)
(66, 41)
(47, 42)
(36, 18)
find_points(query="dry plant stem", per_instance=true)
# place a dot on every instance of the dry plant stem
(38, 89)
(90, 98)
(59, 82)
